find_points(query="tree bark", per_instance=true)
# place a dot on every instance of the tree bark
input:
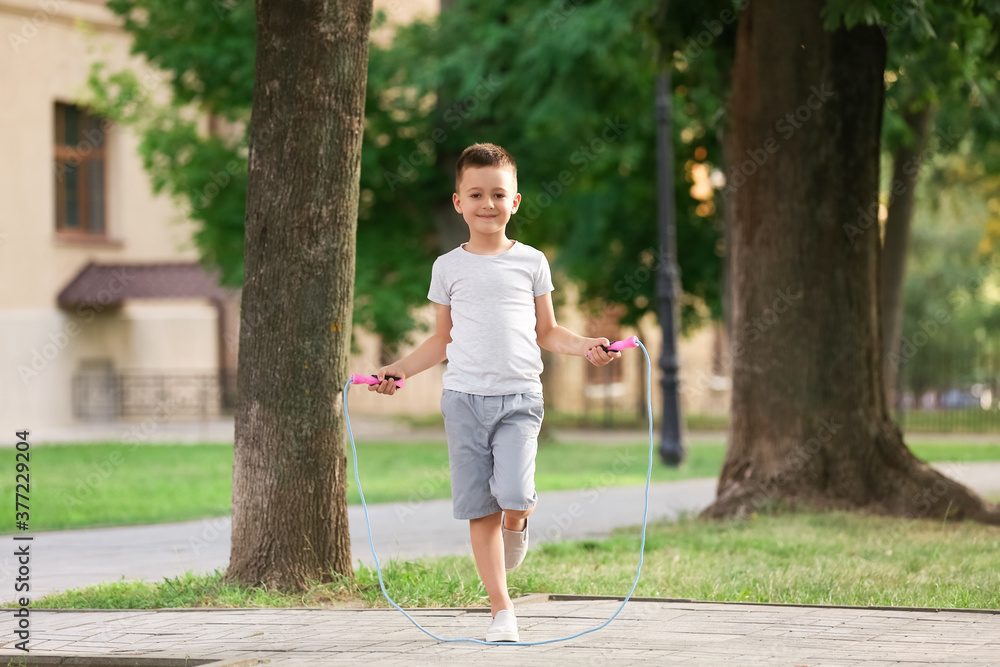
(289, 475)
(905, 173)
(809, 422)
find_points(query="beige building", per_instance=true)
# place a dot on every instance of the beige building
(102, 305)
(104, 312)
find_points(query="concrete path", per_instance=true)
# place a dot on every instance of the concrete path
(646, 632)
(74, 558)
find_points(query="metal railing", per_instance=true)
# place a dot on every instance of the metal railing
(103, 396)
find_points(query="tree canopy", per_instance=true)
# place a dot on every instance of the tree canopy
(568, 89)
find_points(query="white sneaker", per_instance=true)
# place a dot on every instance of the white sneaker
(503, 628)
(515, 545)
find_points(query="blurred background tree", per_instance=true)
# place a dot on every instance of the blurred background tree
(942, 98)
(951, 316)
(809, 421)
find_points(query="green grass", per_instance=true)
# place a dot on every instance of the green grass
(78, 486)
(942, 451)
(189, 590)
(831, 558)
(971, 420)
(74, 486)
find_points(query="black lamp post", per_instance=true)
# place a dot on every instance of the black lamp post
(668, 278)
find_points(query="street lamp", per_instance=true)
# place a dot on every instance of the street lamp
(668, 278)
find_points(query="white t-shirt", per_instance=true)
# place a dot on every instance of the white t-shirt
(493, 350)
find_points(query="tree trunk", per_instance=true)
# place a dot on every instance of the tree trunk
(905, 173)
(809, 422)
(289, 475)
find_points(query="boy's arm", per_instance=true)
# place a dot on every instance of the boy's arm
(429, 353)
(561, 340)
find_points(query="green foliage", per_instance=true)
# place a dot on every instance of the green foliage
(568, 88)
(910, 16)
(952, 291)
(948, 61)
(207, 49)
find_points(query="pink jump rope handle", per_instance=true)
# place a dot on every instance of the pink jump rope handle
(358, 378)
(620, 345)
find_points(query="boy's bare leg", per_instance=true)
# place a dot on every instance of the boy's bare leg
(487, 547)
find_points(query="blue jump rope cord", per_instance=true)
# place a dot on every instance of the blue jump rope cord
(645, 512)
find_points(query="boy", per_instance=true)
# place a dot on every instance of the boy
(494, 311)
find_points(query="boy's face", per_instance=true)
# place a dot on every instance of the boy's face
(486, 198)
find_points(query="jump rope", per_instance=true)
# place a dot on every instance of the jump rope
(372, 379)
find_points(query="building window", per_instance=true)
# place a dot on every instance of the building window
(80, 167)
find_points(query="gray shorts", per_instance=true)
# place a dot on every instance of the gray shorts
(492, 441)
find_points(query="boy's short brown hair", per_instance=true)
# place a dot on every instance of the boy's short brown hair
(484, 155)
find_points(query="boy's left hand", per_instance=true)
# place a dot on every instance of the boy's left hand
(595, 353)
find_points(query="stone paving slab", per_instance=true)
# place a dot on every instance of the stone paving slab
(646, 632)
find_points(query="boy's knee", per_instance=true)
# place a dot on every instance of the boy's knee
(519, 507)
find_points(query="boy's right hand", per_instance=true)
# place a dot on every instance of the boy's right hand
(387, 387)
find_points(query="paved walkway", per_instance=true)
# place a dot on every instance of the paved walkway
(646, 632)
